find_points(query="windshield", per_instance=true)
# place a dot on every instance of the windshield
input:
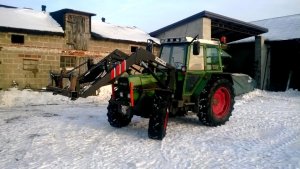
(174, 55)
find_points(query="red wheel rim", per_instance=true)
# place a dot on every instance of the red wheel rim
(221, 102)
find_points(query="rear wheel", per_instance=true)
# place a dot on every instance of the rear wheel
(116, 117)
(158, 118)
(215, 103)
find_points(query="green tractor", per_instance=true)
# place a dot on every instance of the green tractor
(188, 76)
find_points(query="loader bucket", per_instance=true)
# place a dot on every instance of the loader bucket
(242, 83)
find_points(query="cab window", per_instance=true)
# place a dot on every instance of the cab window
(212, 58)
(174, 55)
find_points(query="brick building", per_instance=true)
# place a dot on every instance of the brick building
(32, 43)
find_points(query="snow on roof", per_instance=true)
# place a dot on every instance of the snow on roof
(28, 19)
(110, 31)
(281, 28)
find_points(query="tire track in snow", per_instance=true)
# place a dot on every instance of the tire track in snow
(283, 126)
(240, 130)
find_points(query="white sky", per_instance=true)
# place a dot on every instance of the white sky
(150, 15)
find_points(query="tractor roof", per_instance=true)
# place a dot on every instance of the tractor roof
(187, 40)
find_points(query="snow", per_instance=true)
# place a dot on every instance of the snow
(41, 130)
(111, 31)
(16, 98)
(28, 19)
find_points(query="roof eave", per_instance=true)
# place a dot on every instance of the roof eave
(30, 31)
(66, 10)
(210, 15)
(96, 36)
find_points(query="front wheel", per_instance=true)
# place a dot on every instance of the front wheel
(215, 103)
(158, 118)
(116, 117)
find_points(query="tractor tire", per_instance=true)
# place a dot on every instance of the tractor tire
(158, 118)
(215, 103)
(115, 117)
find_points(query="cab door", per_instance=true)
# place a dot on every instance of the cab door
(195, 70)
(200, 66)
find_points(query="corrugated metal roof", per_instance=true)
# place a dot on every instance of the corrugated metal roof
(280, 28)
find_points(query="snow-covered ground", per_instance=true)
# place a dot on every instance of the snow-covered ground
(39, 130)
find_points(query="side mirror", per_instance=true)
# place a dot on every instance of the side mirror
(150, 44)
(196, 48)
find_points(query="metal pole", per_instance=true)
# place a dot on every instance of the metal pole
(289, 80)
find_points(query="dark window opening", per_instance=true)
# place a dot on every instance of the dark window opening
(17, 39)
(134, 48)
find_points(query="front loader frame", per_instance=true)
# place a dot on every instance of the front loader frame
(106, 71)
(85, 81)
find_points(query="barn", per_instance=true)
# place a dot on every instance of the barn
(267, 50)
(281, 49)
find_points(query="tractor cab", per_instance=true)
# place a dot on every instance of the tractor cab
(194, 60)
(188, 54)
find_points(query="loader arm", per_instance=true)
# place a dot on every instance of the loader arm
(83, 80)
(141, 57)
(106, 71)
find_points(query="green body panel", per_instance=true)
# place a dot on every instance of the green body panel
(142, 82)
(192, 84)
(180, 76)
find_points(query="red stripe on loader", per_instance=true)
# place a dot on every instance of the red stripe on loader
(113, 74)
(131, 94)
(123, 66)
(118, 70)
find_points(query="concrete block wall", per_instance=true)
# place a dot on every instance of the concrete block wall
(201, 27)
(44, 51)
(103, 47)
(28, 64)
